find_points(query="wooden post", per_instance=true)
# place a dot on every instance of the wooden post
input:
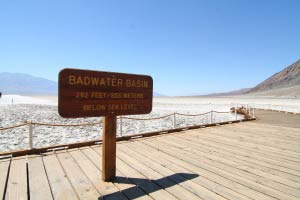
(235, 113)
(30, 135)
(121, 124)
(174, 120)
(109, 148)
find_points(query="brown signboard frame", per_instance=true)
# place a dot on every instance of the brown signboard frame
(86, 93)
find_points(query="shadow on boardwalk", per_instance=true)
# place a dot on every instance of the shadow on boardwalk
(145, 187)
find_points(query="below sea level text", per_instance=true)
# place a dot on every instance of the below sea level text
(109, 107)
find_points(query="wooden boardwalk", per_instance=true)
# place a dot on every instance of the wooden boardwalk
(241, 161)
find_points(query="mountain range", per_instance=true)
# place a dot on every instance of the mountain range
(285, 83)
(24, 84)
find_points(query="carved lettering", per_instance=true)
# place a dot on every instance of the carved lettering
(136, 83)
(72, 80)
(95, 81)
(85, 93)
(97, 107)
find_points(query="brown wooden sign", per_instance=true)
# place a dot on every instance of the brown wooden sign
(85, 93)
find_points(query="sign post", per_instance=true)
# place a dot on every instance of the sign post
(109, 148)
(85, 93)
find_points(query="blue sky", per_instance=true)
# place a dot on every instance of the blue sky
(188, 47)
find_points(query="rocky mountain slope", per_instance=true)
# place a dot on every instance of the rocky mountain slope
(287, 79)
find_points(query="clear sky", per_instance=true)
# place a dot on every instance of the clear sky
(188, 46)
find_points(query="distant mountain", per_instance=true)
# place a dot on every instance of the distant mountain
(280, 84)
(155, 94)
(24, 84)
(285, 83)
(288, 92)
(230, 93)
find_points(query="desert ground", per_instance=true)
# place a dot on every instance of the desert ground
(15, 109)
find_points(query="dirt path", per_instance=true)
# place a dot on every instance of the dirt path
(278, 118)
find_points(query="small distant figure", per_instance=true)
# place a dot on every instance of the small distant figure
(0, 95)
(12, 101)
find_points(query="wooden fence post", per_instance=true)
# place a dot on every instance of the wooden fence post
(109, 148)
(235, 113)
(30, 136)
(174, 120)
(121, 125)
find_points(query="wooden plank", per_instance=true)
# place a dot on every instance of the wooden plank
(245, 148)
(122, 185)
(264, 133)
(151, 188)
(175, 184)
(266, 141)
(190, 187)
(239, 163)
(248, 144)
(91, 172)
(88, 168)
(81, 184)
(242, 137)
(59, 183)
(17, 181)
(243, 156)
(109, 148)
(4, 169)
(276, 128)
(211, 138)
(231, 133)
(290, 133)
(243, 145)
(210, 172)
(230, 174)
(283, 166)
(214, 177)
(107, 189)
(39, 187)
(128, 188)
(157, 156)
(232, 167)
(37, 151)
